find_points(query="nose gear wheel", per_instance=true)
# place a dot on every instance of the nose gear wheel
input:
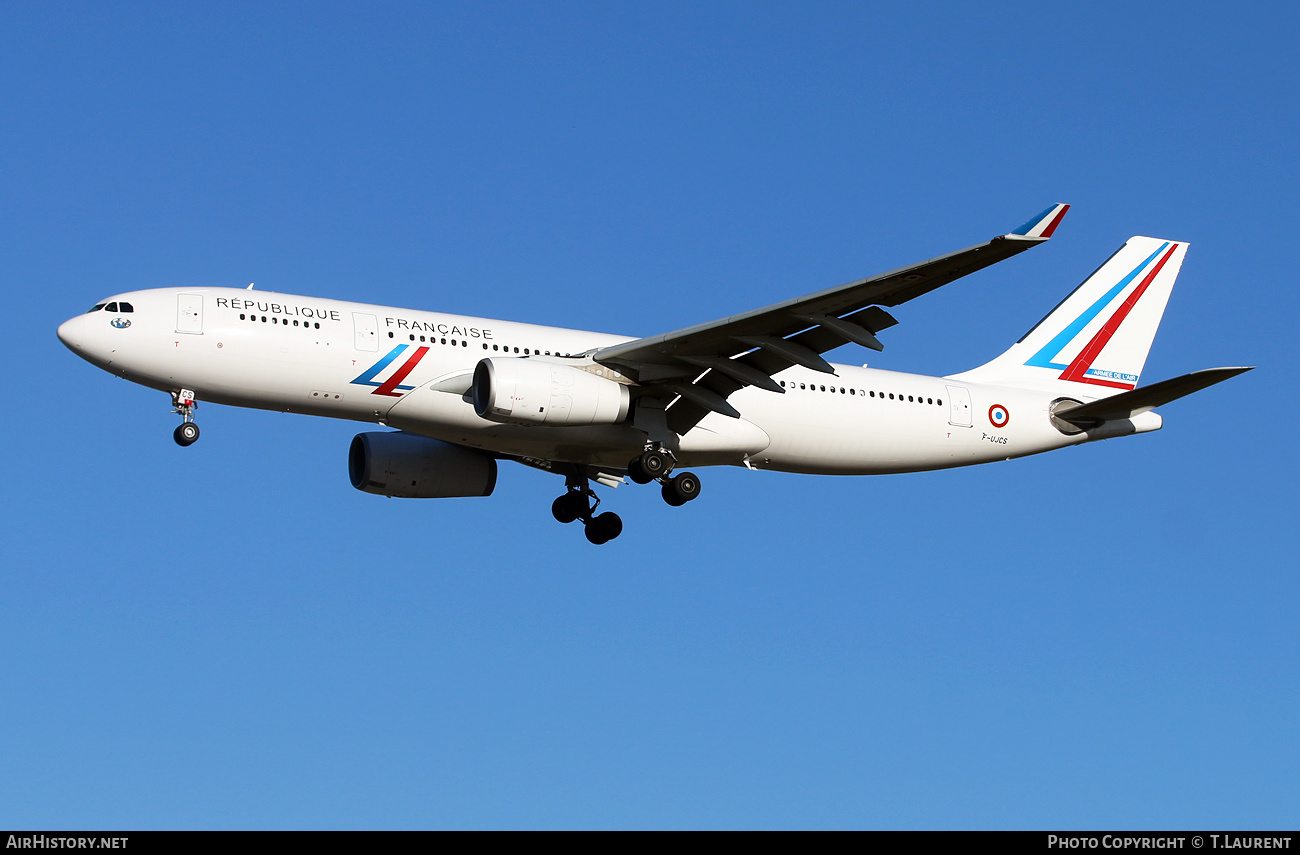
(186, 434)
(183, 404)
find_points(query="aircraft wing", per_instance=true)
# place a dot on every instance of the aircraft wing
(702, 365)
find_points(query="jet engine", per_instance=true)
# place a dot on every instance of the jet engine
(529, 392)
(415, 467)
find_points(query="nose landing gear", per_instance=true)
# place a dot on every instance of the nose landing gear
(579, 503)
(186, 434)
(183, 404)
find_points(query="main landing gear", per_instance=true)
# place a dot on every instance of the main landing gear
(579, 503)
(656, 464)
(183, 404)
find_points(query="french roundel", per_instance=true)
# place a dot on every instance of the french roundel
(999, 416)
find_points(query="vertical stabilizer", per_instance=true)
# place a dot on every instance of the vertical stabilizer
(1096, 341)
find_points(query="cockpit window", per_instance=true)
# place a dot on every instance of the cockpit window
(111, 307)
(125, 308)
(95, 308)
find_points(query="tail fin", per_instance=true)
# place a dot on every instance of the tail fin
(1095, 342)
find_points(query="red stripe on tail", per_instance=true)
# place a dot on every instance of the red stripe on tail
(1076, 369)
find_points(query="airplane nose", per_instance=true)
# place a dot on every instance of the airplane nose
(70, 333)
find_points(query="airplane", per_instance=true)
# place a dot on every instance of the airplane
(748, 390)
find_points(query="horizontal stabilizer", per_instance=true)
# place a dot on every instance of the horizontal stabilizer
(1127, 404)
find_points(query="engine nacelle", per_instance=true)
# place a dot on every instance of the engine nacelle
(415, 467)
(529, 392)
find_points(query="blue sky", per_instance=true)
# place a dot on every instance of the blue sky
(231, 636)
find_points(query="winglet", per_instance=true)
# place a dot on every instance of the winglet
(1044, 224)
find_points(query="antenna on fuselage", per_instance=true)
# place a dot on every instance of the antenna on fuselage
(250, 287)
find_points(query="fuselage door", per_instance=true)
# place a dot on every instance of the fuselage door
(366, 329)
(189, 314)
(959, 412)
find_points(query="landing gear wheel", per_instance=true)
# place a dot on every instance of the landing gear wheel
(637, 472)
(569, 507)
(681, 489)
(604, 528)
(655, 464)
(186, 434)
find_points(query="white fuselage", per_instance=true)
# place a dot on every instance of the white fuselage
(323, 357)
